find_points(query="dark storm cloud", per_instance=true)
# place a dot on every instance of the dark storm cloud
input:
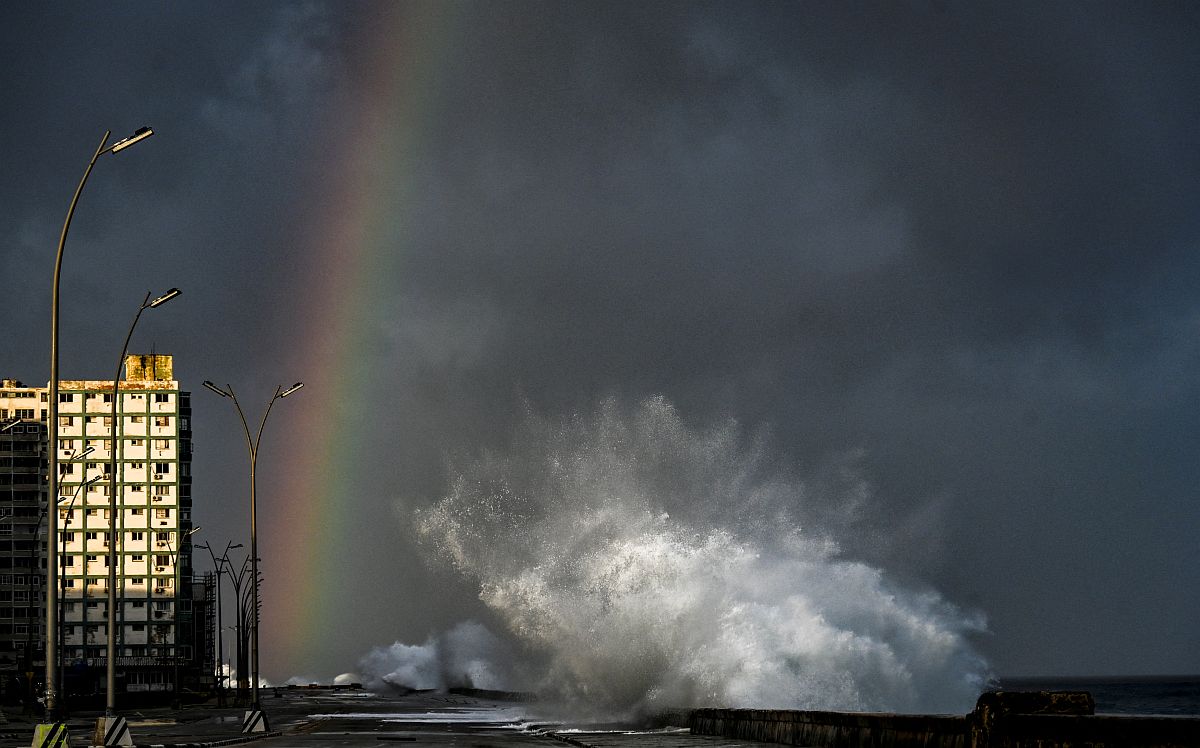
(949, 251)
(960, 239)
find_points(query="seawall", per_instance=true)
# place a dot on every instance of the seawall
(1063, 719)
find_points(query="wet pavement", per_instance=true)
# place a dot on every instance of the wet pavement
(305, 718)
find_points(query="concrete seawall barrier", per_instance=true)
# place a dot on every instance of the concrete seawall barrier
(834, 729)
(1063, 719)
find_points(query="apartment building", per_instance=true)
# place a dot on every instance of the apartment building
(150, 441)
(22, 535)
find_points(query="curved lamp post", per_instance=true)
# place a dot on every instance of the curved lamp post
(114, 539)
(219, 563)
(52, 419)
(240, 624)
(62, 577)
(75, 456)
(252, 445)
(178, 599)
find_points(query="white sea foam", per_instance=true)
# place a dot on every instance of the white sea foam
(659, 565)
(466, 656)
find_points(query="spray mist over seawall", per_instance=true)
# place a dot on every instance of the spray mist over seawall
(658, 566)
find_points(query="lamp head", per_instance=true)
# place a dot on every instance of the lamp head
(216, 389)
(165, 298)
(291, 389)
(140, 134)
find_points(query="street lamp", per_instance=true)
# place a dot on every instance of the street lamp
(219, 565)
(75, 456)
(114, 539)
(52, 418)
(252, 445)
(241, 624)
(62, 577)
(178, 599)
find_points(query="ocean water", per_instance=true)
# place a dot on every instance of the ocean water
(1174, 695)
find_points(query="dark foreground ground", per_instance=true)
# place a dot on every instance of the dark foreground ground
(311, 718)
(308, 718)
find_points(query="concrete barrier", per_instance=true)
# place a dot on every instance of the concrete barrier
(833, 729)
(1064, 719)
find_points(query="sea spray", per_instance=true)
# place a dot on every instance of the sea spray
(466, 656)
(657, 565)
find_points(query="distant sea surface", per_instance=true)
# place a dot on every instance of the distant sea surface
(1127, 695)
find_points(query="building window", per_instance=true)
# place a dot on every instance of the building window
(162, 443)
(137, 442)
(162, 468)
(90, 535)
(137, 580)
(137, 537)
(135, 419)
(63, 398)
(162, 561)
(69, 561)
(162, 397)
(162, 421)
(137, 512)
(137, 558)
(162, 513)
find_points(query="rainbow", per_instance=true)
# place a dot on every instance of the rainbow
(356, 241)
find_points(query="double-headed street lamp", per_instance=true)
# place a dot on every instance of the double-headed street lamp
(52, 419)
(219, 564)
(114, 538)
(252, 445)
(178, 599)
(241, 624)
(62, 575)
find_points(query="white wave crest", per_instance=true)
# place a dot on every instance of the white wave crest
(656, 565)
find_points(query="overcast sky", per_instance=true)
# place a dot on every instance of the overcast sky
(948, 249)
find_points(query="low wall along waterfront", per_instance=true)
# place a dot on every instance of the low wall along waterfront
(1059, 719)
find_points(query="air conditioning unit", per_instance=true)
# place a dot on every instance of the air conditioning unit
(159, 591)
(160, 569)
